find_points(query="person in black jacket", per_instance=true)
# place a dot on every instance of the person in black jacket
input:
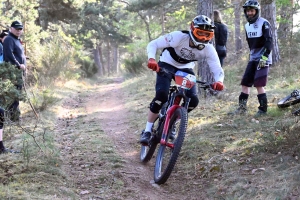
(13, 52)
(221, 34)
(13, 48)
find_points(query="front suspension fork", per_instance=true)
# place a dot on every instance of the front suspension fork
(163, 140)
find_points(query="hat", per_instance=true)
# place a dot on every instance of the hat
(17, 24)
(3, 33)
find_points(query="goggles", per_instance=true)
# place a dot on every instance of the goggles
(203, 35)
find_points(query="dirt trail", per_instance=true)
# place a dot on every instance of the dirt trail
(111, 115)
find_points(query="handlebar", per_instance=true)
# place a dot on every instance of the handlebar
(203, 84)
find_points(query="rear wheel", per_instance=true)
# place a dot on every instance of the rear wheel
(289, 100)
(167, 156)
(147, 151)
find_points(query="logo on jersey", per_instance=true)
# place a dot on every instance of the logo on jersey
(255, 25)
(169, 38)
(266, 25)
(187, 54)
(252, 34)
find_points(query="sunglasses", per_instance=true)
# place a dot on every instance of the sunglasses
(19, 29)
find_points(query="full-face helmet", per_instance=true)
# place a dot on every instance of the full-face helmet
(252, 4)
(202, 31)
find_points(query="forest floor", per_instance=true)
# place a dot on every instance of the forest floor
(119, 174)
(94, 153)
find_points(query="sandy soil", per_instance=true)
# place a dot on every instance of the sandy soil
(108, 103)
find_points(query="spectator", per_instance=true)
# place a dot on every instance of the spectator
(13, 49)
(259, 38)
(2, 37)
(13, 53)
(221, 33)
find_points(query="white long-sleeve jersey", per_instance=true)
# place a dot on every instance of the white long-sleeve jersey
(179, 41)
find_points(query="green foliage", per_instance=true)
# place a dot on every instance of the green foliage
(10, 77)
(101, 20)
(54, 11)
(138, 5)
(179, 14)
(56, 62)
(135, 65)
(44, 99)
(280, 3)
(88, 66)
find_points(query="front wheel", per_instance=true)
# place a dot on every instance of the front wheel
(289, 100)
(167, 156)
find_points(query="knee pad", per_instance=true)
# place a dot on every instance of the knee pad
(160, 98)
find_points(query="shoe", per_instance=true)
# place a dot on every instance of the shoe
(260, 113)
(241, 110)
(4, 151)
(145, 137)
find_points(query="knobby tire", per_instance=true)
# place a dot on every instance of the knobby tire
(147, 152)
(164, 165)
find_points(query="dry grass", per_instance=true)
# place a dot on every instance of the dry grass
(234, 157)
(222, 157)
(42, 170)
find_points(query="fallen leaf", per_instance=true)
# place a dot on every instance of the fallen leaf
(258, 169)
(84, 192)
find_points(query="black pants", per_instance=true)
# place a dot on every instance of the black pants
(163, 82)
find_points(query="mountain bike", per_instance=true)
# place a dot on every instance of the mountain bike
(289, 100)
(170, 127)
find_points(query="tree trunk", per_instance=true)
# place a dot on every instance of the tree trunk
(97, 60)
(163, 16)
(286, 23)
(285, 29)
(237, 26)
(116, 58)
(108, 60)
(144, 18)
(204, 7)
(268, 11)
(101, 58)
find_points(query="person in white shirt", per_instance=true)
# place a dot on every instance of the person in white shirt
(180, 51)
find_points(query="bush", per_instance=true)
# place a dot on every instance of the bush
(88, 67)
(10, 77)
(55, 65)
(44, 99)
(136, 64)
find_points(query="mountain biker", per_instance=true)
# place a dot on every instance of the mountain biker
(259, 38)
(180, 50)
